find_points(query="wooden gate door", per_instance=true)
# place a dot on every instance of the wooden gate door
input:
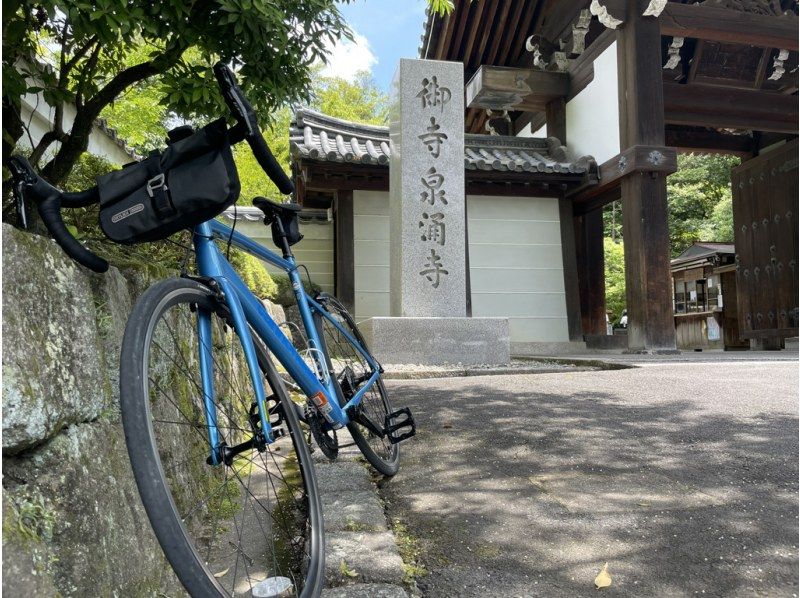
(765, 210)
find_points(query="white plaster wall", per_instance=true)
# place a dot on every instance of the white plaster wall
(315, 250)
(38, 117)
(515, 262)
(526, 131)
(371, 246)
(593, 114)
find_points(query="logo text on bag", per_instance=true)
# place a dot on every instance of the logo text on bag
(129, 212)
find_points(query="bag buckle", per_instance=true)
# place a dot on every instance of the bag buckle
(157, 182)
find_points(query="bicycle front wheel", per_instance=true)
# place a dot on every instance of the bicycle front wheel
(352, 371)
(226, 528)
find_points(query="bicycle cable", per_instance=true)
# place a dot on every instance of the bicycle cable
(233, 228)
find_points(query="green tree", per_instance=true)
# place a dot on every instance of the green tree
(719, 226)
(87, 44)
(701, 183)
(615, 277)
(698, 201)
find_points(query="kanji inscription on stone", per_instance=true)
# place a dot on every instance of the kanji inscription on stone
(433, 94)
(427, 215)
(433, 181)
(433, 227)
(433, 269)
(433, 138)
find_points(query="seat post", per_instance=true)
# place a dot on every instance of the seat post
(287, 250)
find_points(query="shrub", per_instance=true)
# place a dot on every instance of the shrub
(254, 274)
(285, 295)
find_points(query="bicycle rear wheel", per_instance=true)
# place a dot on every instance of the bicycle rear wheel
(351, 371)
(229, 527)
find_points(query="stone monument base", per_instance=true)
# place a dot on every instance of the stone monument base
(438, 341)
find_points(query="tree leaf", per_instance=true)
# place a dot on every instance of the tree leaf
(603, 579)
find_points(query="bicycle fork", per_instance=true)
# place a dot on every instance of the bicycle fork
(220, 452)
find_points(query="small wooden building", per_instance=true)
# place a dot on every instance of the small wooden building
(705, 302)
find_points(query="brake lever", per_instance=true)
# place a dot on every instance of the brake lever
(19, 197)
(21, 177)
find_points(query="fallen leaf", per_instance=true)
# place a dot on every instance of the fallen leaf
(221, 573)
(447, 425)
(603, 579)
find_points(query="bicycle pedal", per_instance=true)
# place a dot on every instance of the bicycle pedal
(397, 422)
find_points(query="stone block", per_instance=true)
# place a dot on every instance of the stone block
(352, 557)
(73, 520)
(52, 353)
(438, 341)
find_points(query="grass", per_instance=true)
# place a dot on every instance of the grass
(410, 551)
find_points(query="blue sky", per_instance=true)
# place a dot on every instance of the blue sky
(385, 31)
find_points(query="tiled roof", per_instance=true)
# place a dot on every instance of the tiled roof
(700, 250)
(322, 138)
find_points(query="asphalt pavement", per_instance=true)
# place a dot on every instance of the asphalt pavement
(683, 477)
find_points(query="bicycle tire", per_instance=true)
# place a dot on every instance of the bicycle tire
(167, 488)
(379, 452)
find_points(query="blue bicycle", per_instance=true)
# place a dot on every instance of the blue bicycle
(218, 445)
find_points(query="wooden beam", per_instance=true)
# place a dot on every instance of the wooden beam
(559, 19)
(722, 107)
(556, 115)
(591, 271)
(505, 48)
(708, 142)
(497, 38)
(644, 196)
(637, 159)
(504, 88)
(344, 250)
(728, 25)
(596, 202)
(477, 21)
(485, 38)
(518, 44)
(569, 261)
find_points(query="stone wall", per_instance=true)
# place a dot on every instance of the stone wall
(73, 524)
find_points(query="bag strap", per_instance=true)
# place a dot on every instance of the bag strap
(157, 186)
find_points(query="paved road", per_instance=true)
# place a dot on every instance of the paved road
(682, 476)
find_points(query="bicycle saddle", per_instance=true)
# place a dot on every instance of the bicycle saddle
(272, 209)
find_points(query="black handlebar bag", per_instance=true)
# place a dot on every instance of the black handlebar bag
(192, 181)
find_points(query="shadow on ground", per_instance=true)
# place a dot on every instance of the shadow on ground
(525, 487)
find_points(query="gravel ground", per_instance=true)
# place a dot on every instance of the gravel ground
(683, 477)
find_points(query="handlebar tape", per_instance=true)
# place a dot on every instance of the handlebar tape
(270, 164)
(246, 118)
(49, 201)
(50, 211)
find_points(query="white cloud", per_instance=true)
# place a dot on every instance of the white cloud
(349, 57)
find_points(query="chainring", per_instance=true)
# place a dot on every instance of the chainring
(326, 439)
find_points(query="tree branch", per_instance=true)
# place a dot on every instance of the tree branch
(89, 68)
(45, 142)
(78, 139)
(79, 53)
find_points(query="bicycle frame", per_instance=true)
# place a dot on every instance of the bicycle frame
(247, 311)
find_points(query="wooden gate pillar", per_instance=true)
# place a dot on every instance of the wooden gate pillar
(591, 271)
(344, 250)
(651, 324)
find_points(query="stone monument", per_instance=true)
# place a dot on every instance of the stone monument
(428, 290)
(428, 255)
